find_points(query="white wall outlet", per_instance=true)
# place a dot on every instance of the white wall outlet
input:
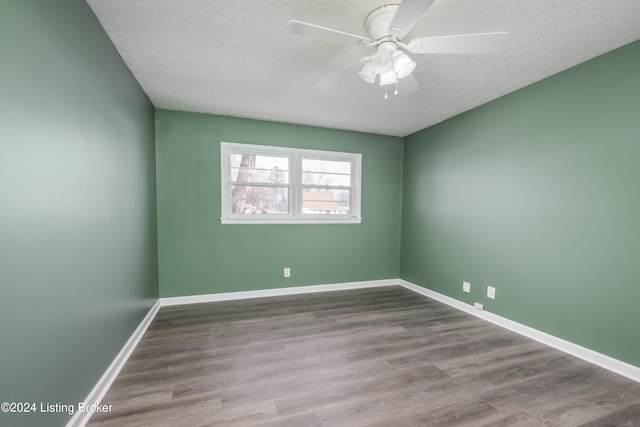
(478, 306)
(287, 272)
(491, 292)
(466, 287)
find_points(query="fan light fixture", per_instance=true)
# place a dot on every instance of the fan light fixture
(369, 72)
(388, 62)
(388, 78)
(402, 64)
(386, 28)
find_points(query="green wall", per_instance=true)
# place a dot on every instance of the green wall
(537, 194)
(198, 255)
(78, 263)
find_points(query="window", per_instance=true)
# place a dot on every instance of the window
(271, 185)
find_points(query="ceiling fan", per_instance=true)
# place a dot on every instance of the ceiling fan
(387, 26)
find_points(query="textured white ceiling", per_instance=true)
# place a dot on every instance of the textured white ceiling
(234, 57)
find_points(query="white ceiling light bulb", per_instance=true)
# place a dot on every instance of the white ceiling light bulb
(383, 60)
(369, 72)
(388, 78)
(402, 64)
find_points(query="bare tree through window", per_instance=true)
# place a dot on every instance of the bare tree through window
(240, 193)
(262, 184)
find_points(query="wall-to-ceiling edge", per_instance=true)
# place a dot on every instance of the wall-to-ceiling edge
(536, 195)
(199, 255)
(78, 257)
(533, 194)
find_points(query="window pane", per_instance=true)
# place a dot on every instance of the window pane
(326, 201)
(247, 199)
(258, 168)
(273, 185)
(326, 172)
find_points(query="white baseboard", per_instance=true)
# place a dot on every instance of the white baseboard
(229, 296)
(599, 359)
(101, 388)
(80, 419)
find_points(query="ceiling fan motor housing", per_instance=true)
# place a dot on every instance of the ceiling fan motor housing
(387, 26)
(378, 21)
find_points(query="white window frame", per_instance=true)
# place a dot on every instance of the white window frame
(295, 156)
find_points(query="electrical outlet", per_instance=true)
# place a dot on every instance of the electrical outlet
(491, 292)
(478, 306)
(466, 287)
(287, 272)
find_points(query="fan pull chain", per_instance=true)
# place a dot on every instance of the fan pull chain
(395, 92)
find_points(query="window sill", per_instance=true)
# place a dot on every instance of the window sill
(290, 221)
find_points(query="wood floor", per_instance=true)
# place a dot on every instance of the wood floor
(372, 357)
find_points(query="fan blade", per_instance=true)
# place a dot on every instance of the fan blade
(408, 86)
(462, 43)
(304, 29)
(333, 79)
(407, 15)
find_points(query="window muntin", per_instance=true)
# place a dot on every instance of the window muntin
(263, 184)
(326, 187)
(259, 168)
(259, 184)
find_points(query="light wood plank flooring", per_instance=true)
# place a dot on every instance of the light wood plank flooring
(372, 357)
